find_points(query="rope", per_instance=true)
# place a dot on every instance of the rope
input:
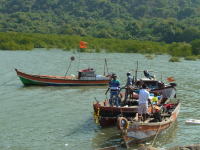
(156, 135)
(106, 65)
(96, 116)
(68, 68)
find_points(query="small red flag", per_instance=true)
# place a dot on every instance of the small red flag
(83, 44)
(170, 79)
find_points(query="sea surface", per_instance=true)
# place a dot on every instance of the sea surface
(61, 118)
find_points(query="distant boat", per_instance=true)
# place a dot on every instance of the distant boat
(134, 131)
(192, 121)
(86, 77)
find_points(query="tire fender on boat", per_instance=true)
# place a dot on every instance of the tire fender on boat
(122, 123)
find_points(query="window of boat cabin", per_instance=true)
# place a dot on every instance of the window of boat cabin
(87, 73)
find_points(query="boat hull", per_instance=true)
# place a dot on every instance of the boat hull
(107, 115)
(138, 132)
(43, 80)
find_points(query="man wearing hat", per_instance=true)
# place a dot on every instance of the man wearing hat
(128, 85)
(114, 87)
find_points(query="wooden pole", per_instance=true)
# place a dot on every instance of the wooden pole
(68, 68)
(136, 72)
(106, 65)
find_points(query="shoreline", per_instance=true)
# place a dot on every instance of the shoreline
(30, 41)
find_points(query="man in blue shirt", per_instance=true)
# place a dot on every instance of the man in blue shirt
(114, 87)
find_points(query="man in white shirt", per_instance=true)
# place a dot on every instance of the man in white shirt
(143, 103)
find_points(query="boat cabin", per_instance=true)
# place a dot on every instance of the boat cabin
(87, 74)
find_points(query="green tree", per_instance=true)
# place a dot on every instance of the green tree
(180, 49)
(196, 47)
(133, 29)
(186, 12)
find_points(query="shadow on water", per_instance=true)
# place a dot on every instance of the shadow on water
(111, 137)
(167, 136)
(54, 88)
(103, 137)
(87, 126)
(106, 137)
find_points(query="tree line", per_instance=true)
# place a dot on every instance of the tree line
(29, 41)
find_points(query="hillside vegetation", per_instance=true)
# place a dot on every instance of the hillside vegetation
(24, 41)
(156, 20)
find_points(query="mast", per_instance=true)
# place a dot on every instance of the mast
(136, 71)
(106, 65)
(71, 59)
(104, 68)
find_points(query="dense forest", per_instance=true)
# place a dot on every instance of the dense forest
(153, 20)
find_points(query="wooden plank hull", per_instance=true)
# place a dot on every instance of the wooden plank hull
(44, 80)
(107, 115)
(107, 121)
(138, 132)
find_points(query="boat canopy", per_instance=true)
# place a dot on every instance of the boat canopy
(89, 72)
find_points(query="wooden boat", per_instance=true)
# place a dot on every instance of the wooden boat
(192, 121)
(86, 77)
(154, 84)
(134, 131)
(186, 147)
(106, 115)
(158, 86)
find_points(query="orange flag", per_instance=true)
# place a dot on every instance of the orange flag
(170, 79)
(83, 44)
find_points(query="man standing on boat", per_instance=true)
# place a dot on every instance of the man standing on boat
(128, 85)
(114, 87)
(143, 103)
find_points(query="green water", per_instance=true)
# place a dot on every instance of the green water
(61, 118)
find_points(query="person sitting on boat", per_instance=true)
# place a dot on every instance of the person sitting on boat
(155, 98)
(114, 87)
(147, 74)
(143, 103)
(128, 85)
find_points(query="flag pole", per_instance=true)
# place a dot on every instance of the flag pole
(82, 45)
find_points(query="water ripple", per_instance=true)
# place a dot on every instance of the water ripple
(52, 118)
